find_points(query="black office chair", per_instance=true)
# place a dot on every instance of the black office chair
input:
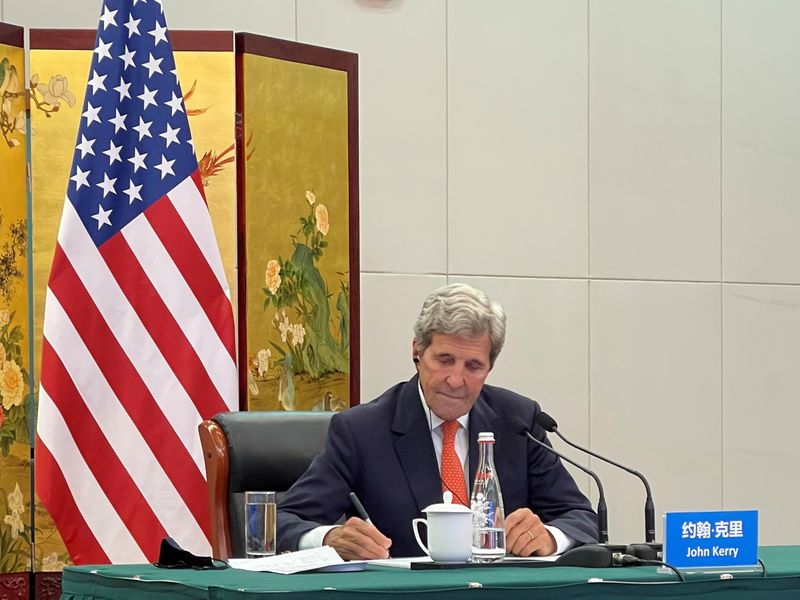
(254, 451)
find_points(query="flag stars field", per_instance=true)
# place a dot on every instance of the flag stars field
(133, 120)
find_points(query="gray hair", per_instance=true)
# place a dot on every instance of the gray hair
(460, 309)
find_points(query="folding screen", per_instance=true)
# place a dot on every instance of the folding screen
(296, 172)
(15, 464)
(298, 225)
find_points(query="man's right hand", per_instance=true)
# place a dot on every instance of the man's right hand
(358, 540)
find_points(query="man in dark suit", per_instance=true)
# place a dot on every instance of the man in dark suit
(390, 451)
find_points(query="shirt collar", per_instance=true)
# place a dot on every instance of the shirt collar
(433, 420)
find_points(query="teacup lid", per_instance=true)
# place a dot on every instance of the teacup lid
(447, 506)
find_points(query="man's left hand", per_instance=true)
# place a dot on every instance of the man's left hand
(526, 534)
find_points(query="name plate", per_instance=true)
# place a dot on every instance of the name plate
(711, 539)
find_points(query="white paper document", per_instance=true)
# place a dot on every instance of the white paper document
(399, 563)
(405, 563)
(551, 558)
(292, 562)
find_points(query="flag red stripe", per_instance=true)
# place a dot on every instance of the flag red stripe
(198, 183)
(162, 327)
(54, 493)
(108, 470)
(189, 260)
(128, 386)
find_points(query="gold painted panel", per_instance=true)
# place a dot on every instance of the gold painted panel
(297, 236)
(15, 467)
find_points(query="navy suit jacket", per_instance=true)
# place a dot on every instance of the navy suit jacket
(383, 452)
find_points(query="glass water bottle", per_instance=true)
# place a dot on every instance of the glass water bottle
(488, 517)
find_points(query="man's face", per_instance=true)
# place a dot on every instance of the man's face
(452, 371)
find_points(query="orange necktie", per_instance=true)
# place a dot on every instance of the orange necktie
(452, 472)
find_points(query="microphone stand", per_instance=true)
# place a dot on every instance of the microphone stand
(602, 509)
(587, 555)
(650, 549)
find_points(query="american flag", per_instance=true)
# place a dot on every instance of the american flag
(139, 341)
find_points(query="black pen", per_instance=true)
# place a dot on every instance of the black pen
(362, 512)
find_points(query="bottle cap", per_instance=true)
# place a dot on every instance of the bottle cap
(486, 436)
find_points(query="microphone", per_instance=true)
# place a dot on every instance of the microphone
(549, 424)
(521, 427)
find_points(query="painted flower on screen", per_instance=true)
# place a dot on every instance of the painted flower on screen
(57, 90)
(15, 501)
(51, 563)
(298, 334)
(11, 384)
(273, 276)
(16, 507)
(20, 123)
(321, 214)
(16, 523)
(282, 322)
(262, 361)
(298, 290)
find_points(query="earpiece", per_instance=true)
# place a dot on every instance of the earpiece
(416, 360)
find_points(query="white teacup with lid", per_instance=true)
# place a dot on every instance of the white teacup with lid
(449, 531)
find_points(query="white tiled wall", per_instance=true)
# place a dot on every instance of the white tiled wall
(761, 333)
(654, 127)
(761, 141)
(516, 116)
(402, 97)
(623, 175)
(655, 395)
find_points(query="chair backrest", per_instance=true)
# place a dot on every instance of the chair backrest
(254, 451)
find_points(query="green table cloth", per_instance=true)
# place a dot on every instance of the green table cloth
(144, 582)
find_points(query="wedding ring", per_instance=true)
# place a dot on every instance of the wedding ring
(530, 534)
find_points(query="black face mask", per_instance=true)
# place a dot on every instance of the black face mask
(172, 556)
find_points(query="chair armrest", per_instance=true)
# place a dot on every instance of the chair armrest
(215, 455)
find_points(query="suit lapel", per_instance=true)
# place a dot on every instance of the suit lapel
(414, 447)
